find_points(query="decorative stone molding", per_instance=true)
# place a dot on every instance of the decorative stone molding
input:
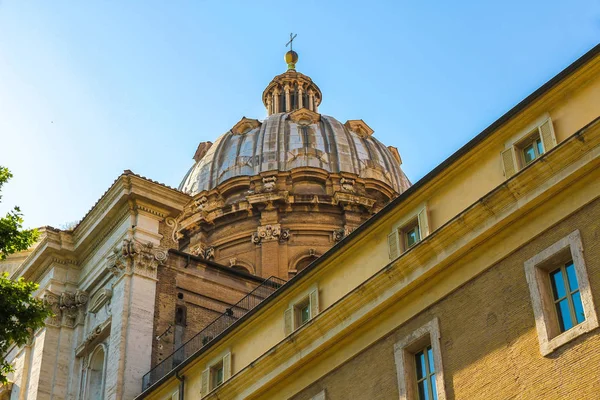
(270, 232)
(347, 184)
(98, 333)
(53, 302)
(174, 225)
(305, 116)
(208, 253)
(269, 183)
(202, 149)
(133, 257)
(338, 235)
(359, 126)
(245, 125)
(68, 308)
(99, 299)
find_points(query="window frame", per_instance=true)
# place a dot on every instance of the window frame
(531, 139)
(207, 384)
(404, 355)
(397, 240)
(292, 318)
(537, 273)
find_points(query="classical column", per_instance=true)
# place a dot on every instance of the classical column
(300, 99)
(316, 106)
(288, 106)
(311, 99)
(275, 101)
(269, 103)
(134, 265)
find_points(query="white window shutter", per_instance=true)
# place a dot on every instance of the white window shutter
(509, 162)
(313, 299)
(547, 135)
(175, 396)
(394, 244)
(204, 384)
(423, 223)
(288, 316)
(226, 366)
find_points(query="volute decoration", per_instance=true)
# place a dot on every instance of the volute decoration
(133, 257)
(68, 308)
(270, 232)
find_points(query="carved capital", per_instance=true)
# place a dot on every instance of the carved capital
(208, 252)
(270, 232)
(133, 257)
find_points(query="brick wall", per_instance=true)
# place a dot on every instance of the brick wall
(489, 342)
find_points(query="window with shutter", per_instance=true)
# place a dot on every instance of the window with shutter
(394, 245)
(547, 135)
(301, 311)
(204, 384)
(215, 375)
(508, 162)
(423, 223)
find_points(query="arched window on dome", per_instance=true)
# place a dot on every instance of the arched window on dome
(305, 262)
(95, 374)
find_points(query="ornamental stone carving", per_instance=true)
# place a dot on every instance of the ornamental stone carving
(338, 235)
(208, 253)
(347, 184)
(269, 183)
(133, 257)
(68, 308)
(270, 232)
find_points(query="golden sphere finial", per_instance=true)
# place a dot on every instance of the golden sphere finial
(291, 58)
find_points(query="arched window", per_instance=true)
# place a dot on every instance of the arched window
(95, 374)
(303, 263)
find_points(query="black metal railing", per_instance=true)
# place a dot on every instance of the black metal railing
(224, 321)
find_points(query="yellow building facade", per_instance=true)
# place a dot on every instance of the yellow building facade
(480, 281)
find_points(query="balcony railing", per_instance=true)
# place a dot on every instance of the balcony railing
(206, 335)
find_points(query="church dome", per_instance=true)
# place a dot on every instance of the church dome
(289, 140)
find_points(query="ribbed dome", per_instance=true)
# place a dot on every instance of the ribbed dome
(286, 141)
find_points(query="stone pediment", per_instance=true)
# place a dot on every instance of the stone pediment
(359, 126)
(245, 125)
(304, 116)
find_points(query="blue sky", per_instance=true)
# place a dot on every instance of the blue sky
(90, 88)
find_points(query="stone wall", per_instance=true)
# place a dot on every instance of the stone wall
(489, 343)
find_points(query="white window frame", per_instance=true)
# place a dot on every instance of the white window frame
(404, 355)
(537, 270)
(512, 156)
(206, 384)
(397, 240)
(290, 320)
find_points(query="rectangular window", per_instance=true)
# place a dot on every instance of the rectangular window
(216, 375)
(419, 364)
(411, 235)
(560, 293)
(567, 298)
(301, 311)
(530, 146)
(425, 374)
(408, 233)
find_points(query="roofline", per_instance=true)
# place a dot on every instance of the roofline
(390, 206)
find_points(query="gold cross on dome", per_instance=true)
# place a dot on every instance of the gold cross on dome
(292, 37)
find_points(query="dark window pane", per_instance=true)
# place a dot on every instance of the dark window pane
(564, 315)
(305, 314)
(529, 154)
(433, 388)
(423, 391)
(420, 361)
(430, 360)
(558, 284)
(579, 314)
(540, 148)
(572, 277)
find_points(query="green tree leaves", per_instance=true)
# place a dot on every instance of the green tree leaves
(20, 313)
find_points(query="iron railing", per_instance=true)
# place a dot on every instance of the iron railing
(224, 321)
